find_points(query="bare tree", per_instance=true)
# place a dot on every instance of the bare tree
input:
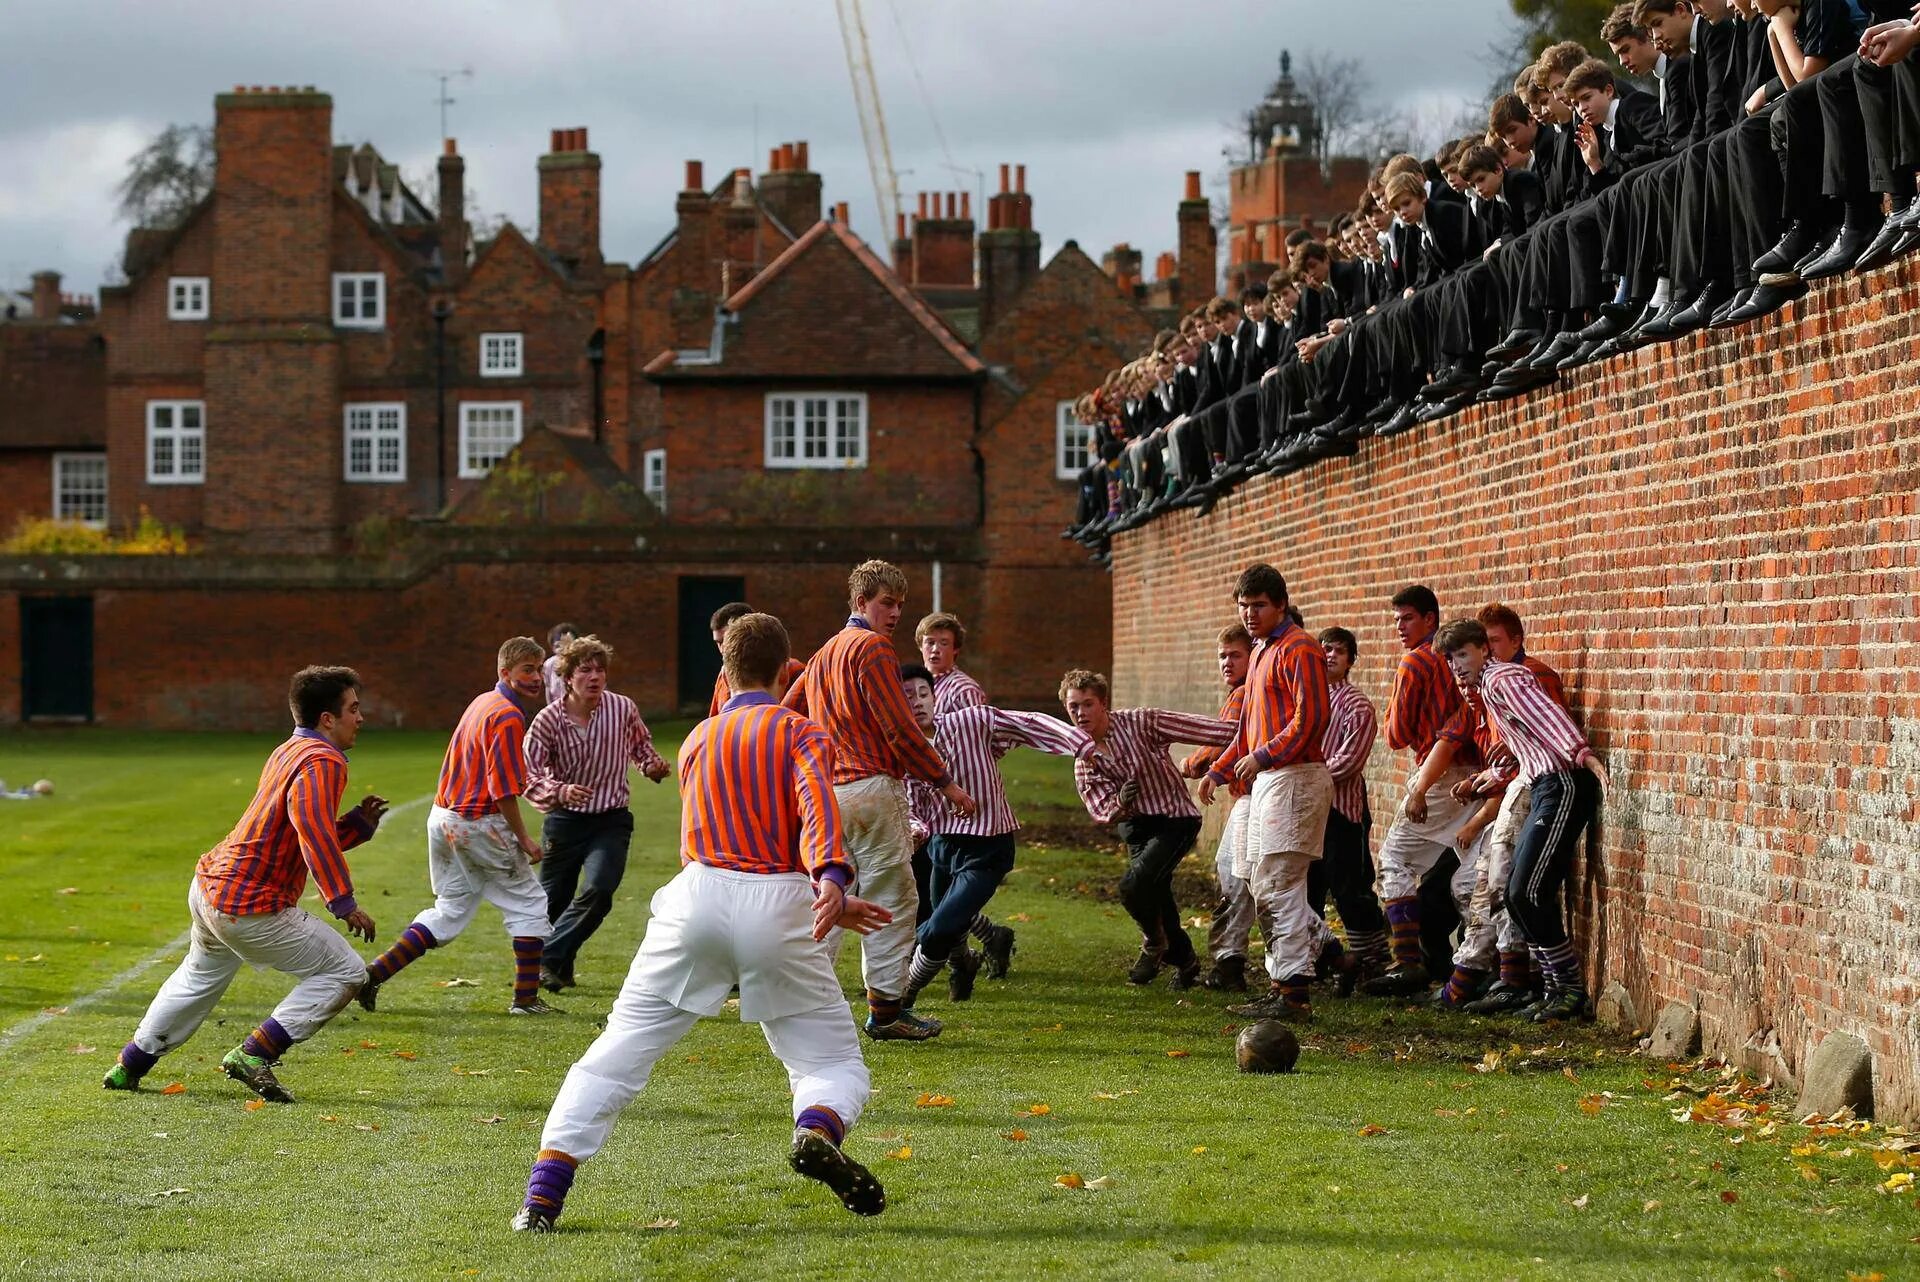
(168, 177)
(1336, 88)
(424, 182)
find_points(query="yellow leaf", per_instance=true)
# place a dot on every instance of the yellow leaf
(1899, 1183)
(1446, 1112)
(1372, 1128)
(1104, 1182)
(1875, 1276)
(1016, 1135)
(1359, 1048)
(1593, 1105)
(174, 1088)
(369, 1046)
(1489, 1063)
(1178, 1054)
(1050, 1028)
(405, 1055)
(1021, 917)
(1807, 1172)
(902, 1153)
(1569, 1074)
(1649, 1207)
(928, 1100)
(1580, 1203)
(1199, 1148)
(1037, 1110)
(328, 1117)
(1071, 1180)
(255, 1104)
(1808, 1150)
(1884, 1160)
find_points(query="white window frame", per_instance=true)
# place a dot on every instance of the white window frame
(1071, 439)
(787, 431)
(470, 471)
(181, 301)
(179, 435)
(372, 431)
(359, 280)
(503, 344)
(653, 477)
(60, 463)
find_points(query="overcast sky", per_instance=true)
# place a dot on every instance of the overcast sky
(1105, 101)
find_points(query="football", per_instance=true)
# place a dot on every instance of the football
(1267, 1047)
(44, 787)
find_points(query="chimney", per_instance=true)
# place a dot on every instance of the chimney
(1009, 248)
(273, 188)
(902, 248)
(740, 226)
(789, 190)
(570, 202)
(696, 262)
(942, 244)
(1198, 271)
(1123, 264)
(46, 296)
(453, 216)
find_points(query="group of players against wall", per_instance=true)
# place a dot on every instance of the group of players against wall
(855, 793)
(1777, 146)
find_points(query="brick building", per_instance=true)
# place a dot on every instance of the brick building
(53, 440)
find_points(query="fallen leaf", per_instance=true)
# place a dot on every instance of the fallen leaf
(369, 1046)
(662, 1224)
(1807, 1172)
(370, 1126)
(1178, 1054)
(1016, 1135)
(69, 890)
(1103, 1182)
(1649, 1207)
(1593, 1105)
(1359, 1048)
(1560, 1167)
(470, 1072)
(171, 1192)
(1037, 1110)
(1875, 1276)
(1900, 1183)
(174, 1088)
(1113, 1094)
(160, 1135)
(53, 1010)
(1446, 1112)
(1489, 1063)
(1580, 1203)
(329, 1117)
(458, 983)
(1569, 1074)
(1050, 1028)
(405, 1055)
(1071, 1180)
(902, 1153)
(348, 1050)
(495, 1120)
(1020, 917)
(1199, 1148)
(254, 1105)
(1729, 1197)
(1372, 1128)
(81, 1049)
(928, 1100)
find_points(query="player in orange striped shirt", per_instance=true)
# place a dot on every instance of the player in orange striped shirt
(244, 901)
(762, 884)
(478, 847)
(852, 687)
(717, 624)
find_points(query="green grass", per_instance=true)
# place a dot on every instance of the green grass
(410, 1167)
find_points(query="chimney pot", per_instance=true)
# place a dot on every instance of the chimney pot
(1003, 179)
(448, 147)
(800, 155)
(1020, 179)
(993, 214)
(582, 139)
(789, 156)
(923, 205)
(840, 213)
(553, 142)
(1193, 184)
(900, 226)
(694, 181)
(966, 205)
(773, 161)
(953, 207)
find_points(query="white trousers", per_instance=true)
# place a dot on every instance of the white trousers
(292, 940)
(476, 861)
(1491, 929)
(712, 928)
(1295, 933)
(1412, 849)
(1233, 916)
(879, 841)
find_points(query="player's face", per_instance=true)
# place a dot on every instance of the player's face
(1503, 643)
(343, 727)
(524, 678)
(719, 635)
(1259, 614)
(1088, 712)
(937, 650)
(1466, 663)
(1338, 661)
(1411, 626)
(589, 680)
(881, 612)
(1233, 664)
(920, 699)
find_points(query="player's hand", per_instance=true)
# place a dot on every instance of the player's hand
(1206, 790)
(372, 809)
(1599, 769)
(1129, 793)
(658, 770)
(1466, 790)
(1416, 807)
(358, 923)
(530, 848)
(1245, 768)
(575, 795)
(1468, 831)
(957, 798)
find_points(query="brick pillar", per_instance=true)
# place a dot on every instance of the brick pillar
(696, 257)
(789, 190)
(1009, 247)
(570, 202)
(1198, 246)
(46, 295)
(272, 385)
(453, 216)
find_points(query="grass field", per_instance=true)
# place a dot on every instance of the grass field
(1404, 1147)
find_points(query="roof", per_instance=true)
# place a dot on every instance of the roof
(824, 308)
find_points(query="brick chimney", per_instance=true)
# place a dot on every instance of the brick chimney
(453, 216)
(1009, 247)
(902, 248)
(943, 242)
(570, 202)
(696, 257)
(789, 190)
(1198, 246)
(1124, 264)
(740, 234)
(46, 296)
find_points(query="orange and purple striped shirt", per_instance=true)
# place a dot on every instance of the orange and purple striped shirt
(756, 789)
(292, 825)
(487, 759)
(1424, 697)
(852, 687)
(1288, 704)
(1232, 710)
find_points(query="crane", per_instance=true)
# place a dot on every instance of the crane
(873, 122)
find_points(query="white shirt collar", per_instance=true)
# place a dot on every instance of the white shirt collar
(1660, 67)
(1693, 33)
(1613, 114)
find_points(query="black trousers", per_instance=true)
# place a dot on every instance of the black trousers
(1155, 846)
(1345, 872)
(1439, 915)
(923, 881)
(1562, 806)
(1754, 184)
(586, 856)
(1888, 100)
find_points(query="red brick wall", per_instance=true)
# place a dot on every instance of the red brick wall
(26, 486)
(1718, 544)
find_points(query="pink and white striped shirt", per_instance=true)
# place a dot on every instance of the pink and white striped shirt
(1538, 731)
(971, 741)
(1349, 740)
(1137, 745)
(955, 691)
(596, 756)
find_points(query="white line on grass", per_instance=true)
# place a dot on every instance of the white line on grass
(33, 1023)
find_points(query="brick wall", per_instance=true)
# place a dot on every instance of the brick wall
(26, 486)
(1718, 543)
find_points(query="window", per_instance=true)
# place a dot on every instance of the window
(360, 300)
(488, 432)
(1073, 444)
(187, 297)
(653, 477)
(377, 442)
(500, 356)
(823, 429)
(176, 442)
(80, 488)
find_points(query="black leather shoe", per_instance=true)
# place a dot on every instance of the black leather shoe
(1406, 420)
(1909, 241)
(1723, 319)
(1700, 310)
(1856, 233)
(1801, 237)
(1324, 444)
(1766, 300)
(1401, 981)
(1610, 322)
(1564, 344)
(1660, 328)
(1880, 251)
(1579, 356)
(1517, 341)
(1434, 411)
(1450, 381)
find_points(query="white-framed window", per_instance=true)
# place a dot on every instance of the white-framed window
(488, 432)
(359, 300)
(188, 297)
(176, 442)
(376, 441)
(80, 488)
(653, 477)
(500, 356)
(1073, 443)
(817, 429)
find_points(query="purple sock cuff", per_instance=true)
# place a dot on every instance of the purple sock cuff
(824, 1120)
(136, 1060)
(269, 1041)
(1400, 911)
(421, 935)
(547, 1186)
